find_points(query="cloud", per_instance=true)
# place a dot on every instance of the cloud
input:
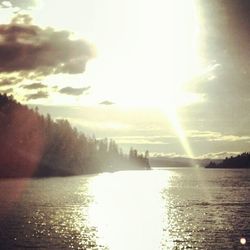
(27, 48)
(22, 4)
(106, 103)
(211, 155)
(97, 125)
(38, 95)
(6, 81)
(34, 86)
(215, 136)
(167, 155)
(73, 91)
(153, 140)
(218, 155)
(6, 91)
(231, 138)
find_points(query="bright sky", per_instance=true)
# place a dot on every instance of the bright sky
(146, 51)
(147, 56)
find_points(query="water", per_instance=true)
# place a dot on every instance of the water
(168, 209)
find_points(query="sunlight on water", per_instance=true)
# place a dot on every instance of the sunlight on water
(138, 210)
(128, 209)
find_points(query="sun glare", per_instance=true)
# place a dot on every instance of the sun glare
(172, 116)
(147, 53)
(150, 55)
(114, 209)
(146, 50)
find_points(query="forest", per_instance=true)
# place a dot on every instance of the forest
(239, 161)
(33, 145)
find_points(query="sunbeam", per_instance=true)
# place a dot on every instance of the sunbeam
(172, 116)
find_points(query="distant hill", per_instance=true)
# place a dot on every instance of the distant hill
(163, 162)
(35, 145)
(239, 161)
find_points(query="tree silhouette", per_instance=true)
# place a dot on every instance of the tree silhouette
(239, 161)
(35, 145)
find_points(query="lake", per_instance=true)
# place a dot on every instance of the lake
(184, 208)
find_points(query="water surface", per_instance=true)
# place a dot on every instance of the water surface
(159, 209)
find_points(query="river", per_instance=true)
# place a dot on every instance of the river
(184, 208)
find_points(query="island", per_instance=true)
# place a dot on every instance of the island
(239, 161)
(34, 145)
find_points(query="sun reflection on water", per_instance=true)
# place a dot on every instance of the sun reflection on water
(128, 210)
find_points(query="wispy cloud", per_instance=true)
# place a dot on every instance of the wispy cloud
(7, 91)
(143, 139)
(215, 136)
(37, 85)
(20, 4)
(97, 126)
(218, 155)
(74, 91)
(211, 155)
(7, 81)
(38, 95)
(167, 155)
(106, 103)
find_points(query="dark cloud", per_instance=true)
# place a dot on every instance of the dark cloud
(38, 95)
(73, 91)
(27, 48)
(106, 103)
(37, 85)
(6, 81)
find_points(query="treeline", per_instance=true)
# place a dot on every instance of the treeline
(35, 145)
(239, 161)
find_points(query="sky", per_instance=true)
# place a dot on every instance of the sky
(168, 76)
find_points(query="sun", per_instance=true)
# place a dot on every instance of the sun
(153, 60)
(149, 55)
(147, 51)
